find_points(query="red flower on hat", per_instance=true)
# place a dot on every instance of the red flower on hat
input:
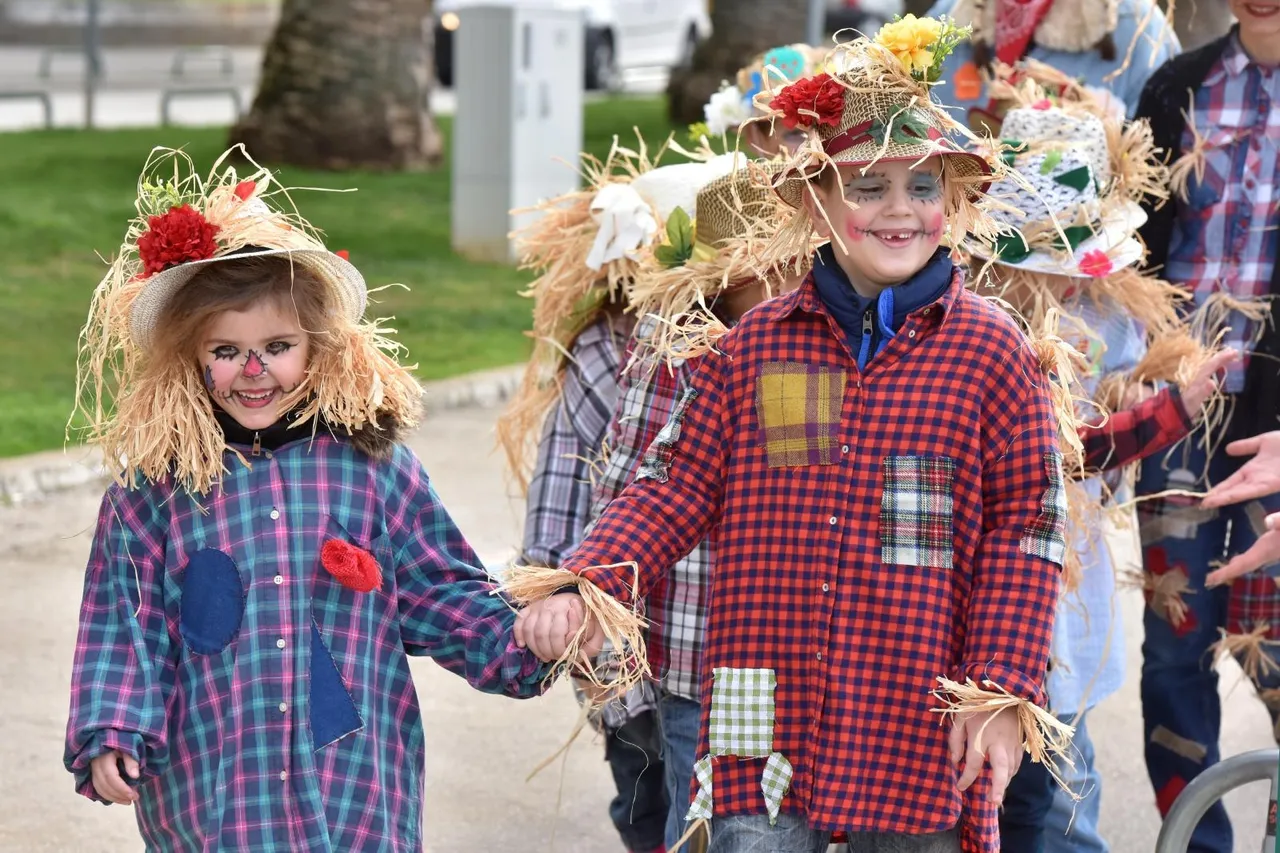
(354, 568)
(1096, 264)
(1042, 104)
(244, 189)
(181, 235)
(810, 102)
(344, 254)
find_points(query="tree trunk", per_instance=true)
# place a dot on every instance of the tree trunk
(1198, 22)
(345, 84)
(739, 31)
(919, 8)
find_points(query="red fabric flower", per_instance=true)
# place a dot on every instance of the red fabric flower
(244, 189)
(1043, 104)
(344, 254)
(810, 101)
(1096, 264)
(181, 235)
(353, 567)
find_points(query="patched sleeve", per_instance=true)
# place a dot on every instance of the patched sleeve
(675, 498)
(1016, 569)
(125, 658)
(448, 607)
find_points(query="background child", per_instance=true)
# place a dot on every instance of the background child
(885, 493)
(733, 108)
(270, 552)
(1214, 111)
(587, 247)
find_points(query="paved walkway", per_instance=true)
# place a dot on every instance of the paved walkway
(479, 748)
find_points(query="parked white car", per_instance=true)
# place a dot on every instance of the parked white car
(620, 34)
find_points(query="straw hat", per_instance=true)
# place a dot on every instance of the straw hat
(1060, 222)
(876, 107)
(191, 228)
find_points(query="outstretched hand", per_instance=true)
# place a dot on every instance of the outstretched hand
(1196, 393)
(547, 627)
(1263, 553)
(994, 736)
(1257, 478)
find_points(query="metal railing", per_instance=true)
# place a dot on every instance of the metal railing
(1210, 787)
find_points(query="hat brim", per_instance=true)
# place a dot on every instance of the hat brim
(967, 164)
(1114, 239)
(148, 306)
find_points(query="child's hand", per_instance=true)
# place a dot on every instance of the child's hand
(547, 627)
(1201, 387)
(107, 780)
(997, 737)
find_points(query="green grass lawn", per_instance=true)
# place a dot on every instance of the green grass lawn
(65, 197)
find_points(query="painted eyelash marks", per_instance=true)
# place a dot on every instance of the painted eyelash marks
(925, 188)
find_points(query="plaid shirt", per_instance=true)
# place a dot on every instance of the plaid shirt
(872, 530)
(1133, 434)
(1224, 238)
(573, 434)
(675, 606)
(271, 707)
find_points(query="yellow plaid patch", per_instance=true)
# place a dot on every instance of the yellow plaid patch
(799, 409)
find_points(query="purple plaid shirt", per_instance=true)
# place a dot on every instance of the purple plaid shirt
(572, 437)
(1225, 235)
(271, 706)
(677, 606)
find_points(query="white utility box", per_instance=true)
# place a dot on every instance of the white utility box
(517, 130)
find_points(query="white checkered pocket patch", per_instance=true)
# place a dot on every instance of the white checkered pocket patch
(742, 712)
(916, 512)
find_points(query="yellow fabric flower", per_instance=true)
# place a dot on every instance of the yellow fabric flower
(912, 40)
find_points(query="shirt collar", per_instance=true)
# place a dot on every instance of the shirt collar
(806, 298)
(1235, 60)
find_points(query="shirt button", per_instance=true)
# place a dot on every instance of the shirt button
(826, 588)
(275, 513)
(284, 774)
(928, 311)
(819, 655)
(831, 520)
(279, 579)
(283, 707)
(911, 334)
(268, 454)
(844, 448)
(280, 643)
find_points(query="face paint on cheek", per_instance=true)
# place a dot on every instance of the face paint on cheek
(935, 224)
(857, 228)
(208, 379)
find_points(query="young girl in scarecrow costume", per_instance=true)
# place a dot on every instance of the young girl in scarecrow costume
(689, 290)
(270, 552)
(1065, 266)
(587, 246)
(876, 455)
(739, 105)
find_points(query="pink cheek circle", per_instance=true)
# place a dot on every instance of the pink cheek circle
(224, 374)
(855, 226)
(935, 223)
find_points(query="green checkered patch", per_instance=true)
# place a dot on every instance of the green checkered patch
(1046, 537)
(742, 712)
(701, 807)
(915, 512)
(775, 783)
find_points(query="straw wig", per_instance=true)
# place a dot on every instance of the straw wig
(145, 405)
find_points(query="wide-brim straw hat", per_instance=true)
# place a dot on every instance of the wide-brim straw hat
(344, 280)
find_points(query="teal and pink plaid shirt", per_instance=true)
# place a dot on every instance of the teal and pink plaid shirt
(271, 706)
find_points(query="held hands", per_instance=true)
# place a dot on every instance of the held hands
(107, 780)
(995, 736)
(548, 627)
(1205, 381)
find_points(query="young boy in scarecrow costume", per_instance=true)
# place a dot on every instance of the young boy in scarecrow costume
(1214, 111)
(690, 291)
(740, 105)
(1108, 44)
(1065, 267)
(270, 553)
(587, 246)
(875, 457)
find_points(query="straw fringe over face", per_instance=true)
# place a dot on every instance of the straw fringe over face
(148, 410)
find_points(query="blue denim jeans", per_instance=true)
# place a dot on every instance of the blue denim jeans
(681, 720)
(791, 834)
(1039, 817)
(639, 811)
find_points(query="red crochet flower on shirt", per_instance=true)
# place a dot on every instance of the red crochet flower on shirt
(354, 568)
(181, 235)
(810, 102)
(1096, 264)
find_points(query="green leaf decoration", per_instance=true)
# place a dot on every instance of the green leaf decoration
(909, 130)
(1051, 161)
(667, 256)
(1078, 178)
(1076, 235)
(1013, 147)
(1011, 248)
(679, 228)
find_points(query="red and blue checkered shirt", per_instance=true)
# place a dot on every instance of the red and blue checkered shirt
(676, 605)
(270, 706)
(872, 531)
(1225, 235)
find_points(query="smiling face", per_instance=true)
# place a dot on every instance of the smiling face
(892, 226)
(251, 359)
(1259, 28)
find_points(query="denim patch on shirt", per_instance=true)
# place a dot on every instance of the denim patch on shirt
(212, 602)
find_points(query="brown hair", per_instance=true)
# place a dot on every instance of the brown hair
(234, 285)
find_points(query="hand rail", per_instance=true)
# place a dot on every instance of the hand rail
(1209, 787)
